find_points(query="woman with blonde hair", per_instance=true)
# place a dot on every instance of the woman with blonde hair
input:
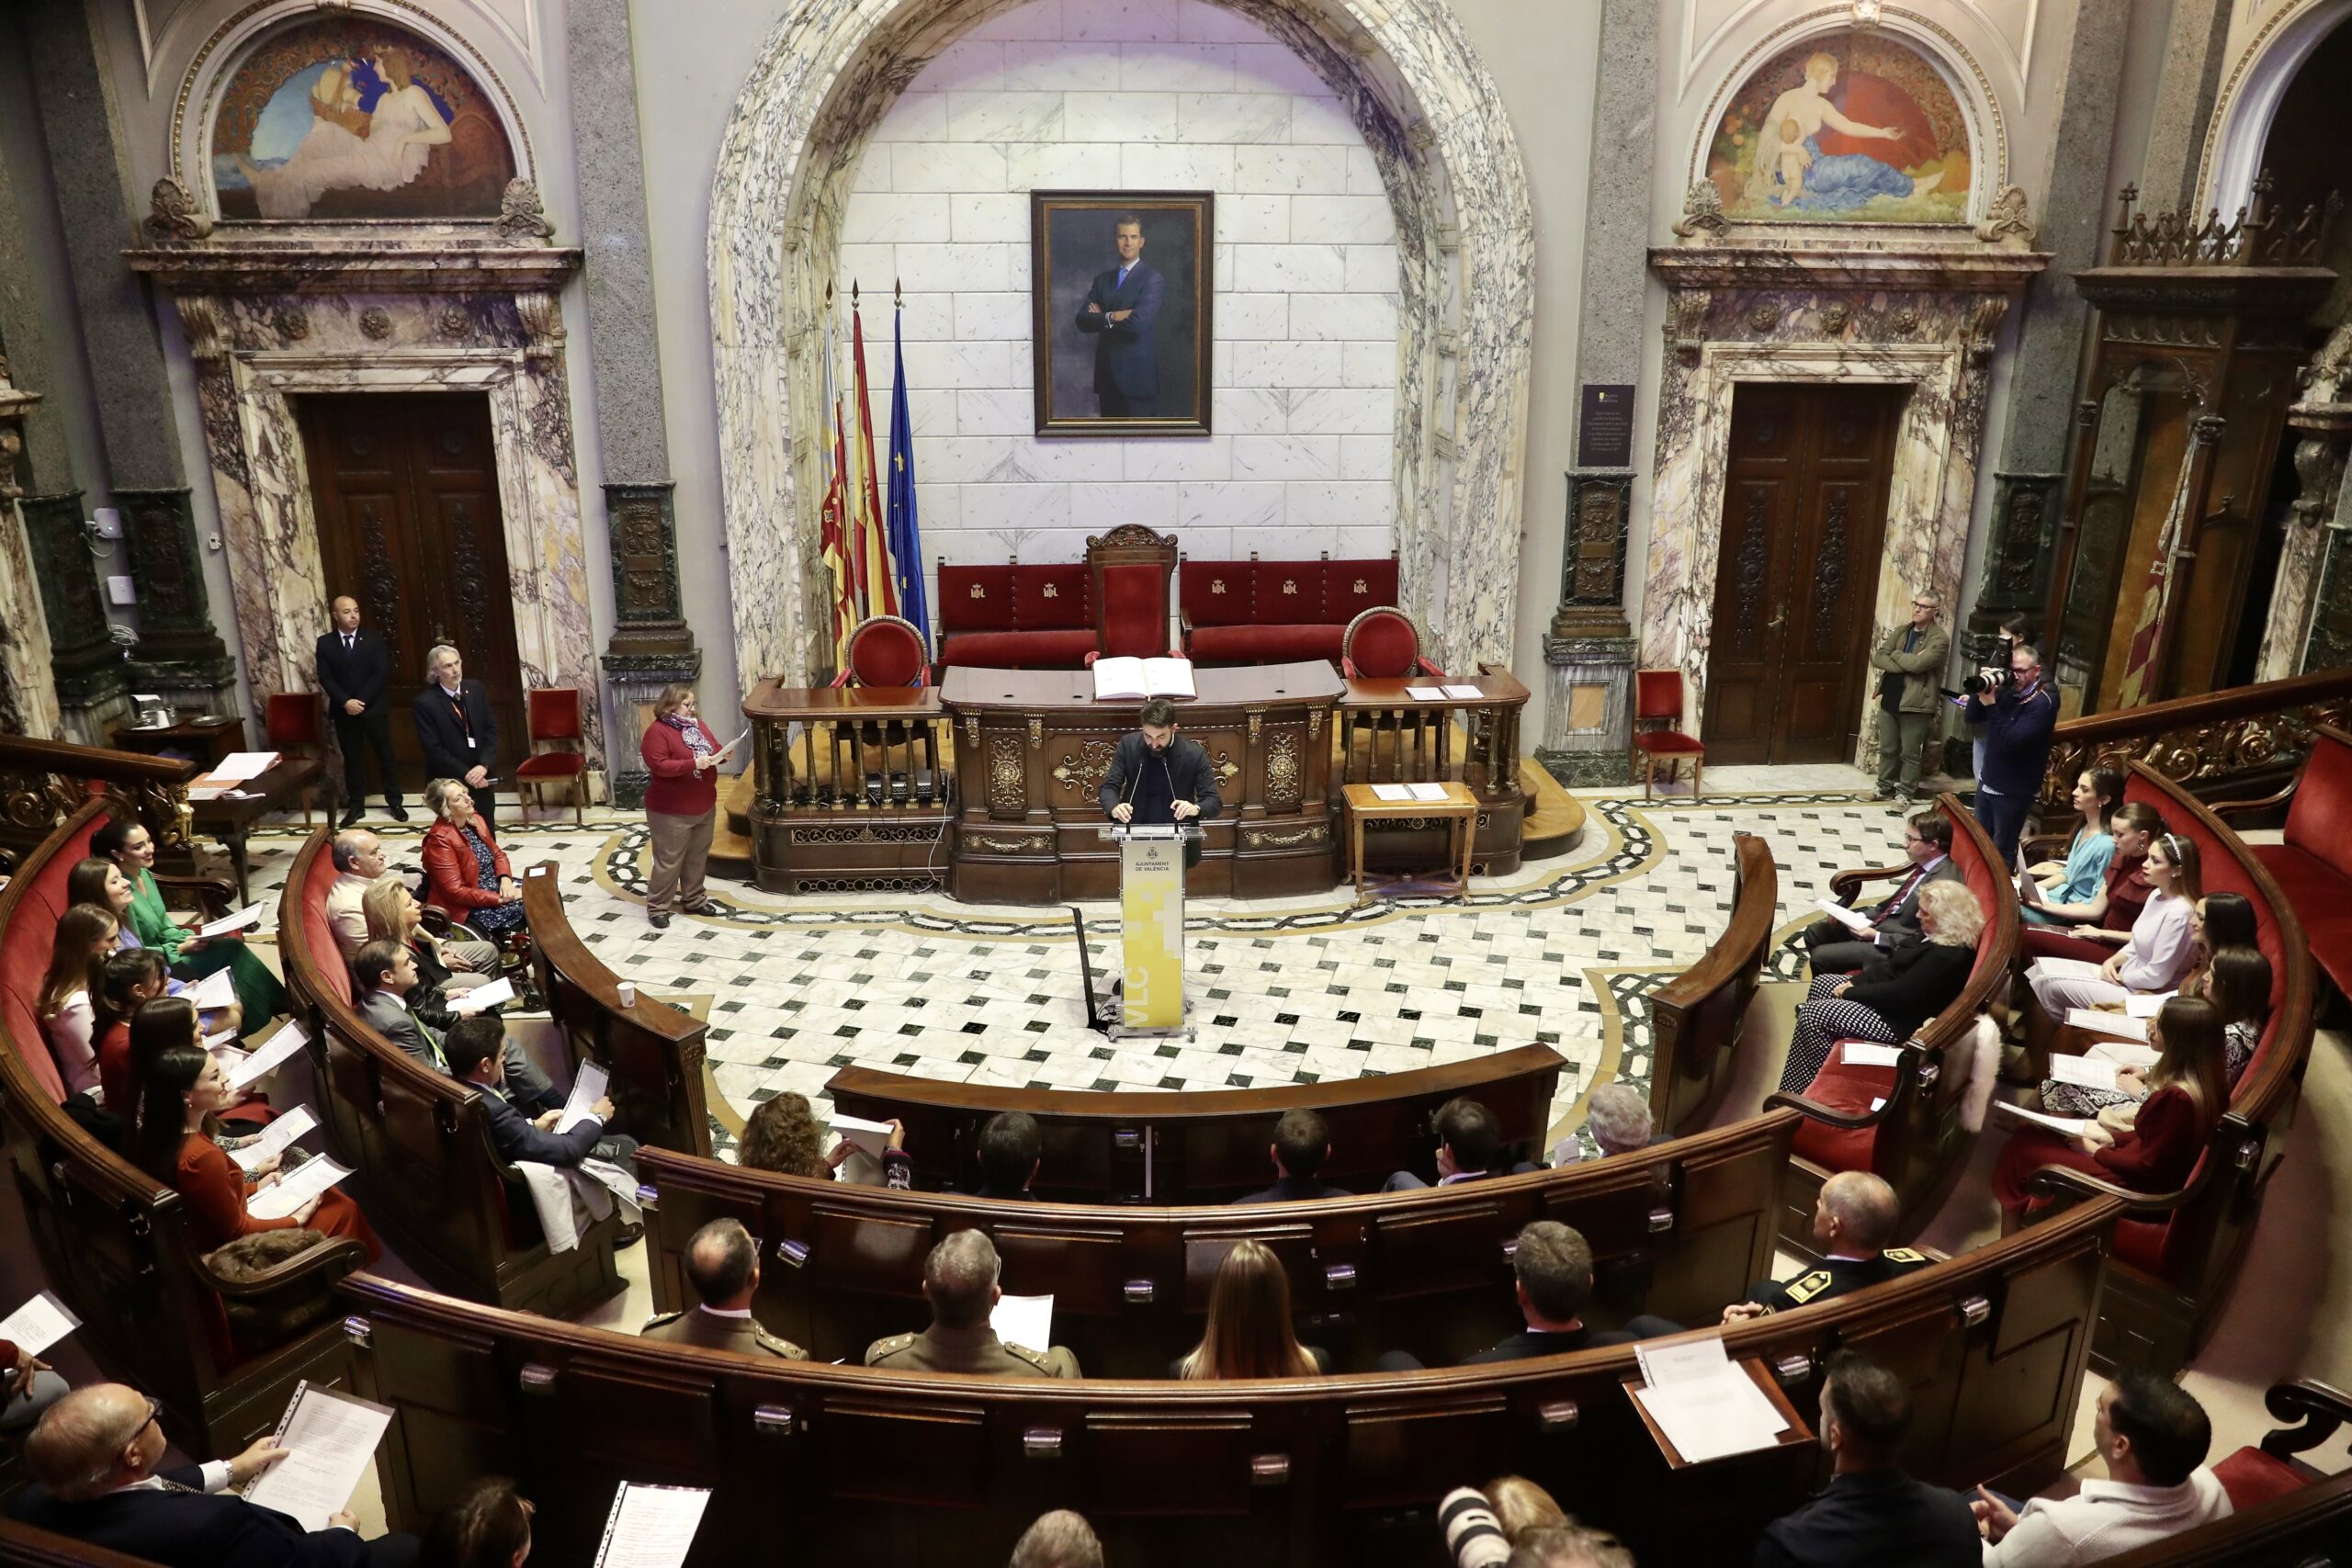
(1894, 993)
(1248, 1333)
(681, 804)
(465, 871)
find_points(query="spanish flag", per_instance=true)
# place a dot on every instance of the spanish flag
(841, 601)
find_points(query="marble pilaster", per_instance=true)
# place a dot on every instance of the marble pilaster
(1587, 724)
(179, 655)
(2321, 426)
(2196, 45)
(2330, 644)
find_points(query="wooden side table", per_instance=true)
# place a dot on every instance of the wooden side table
(1459, 810)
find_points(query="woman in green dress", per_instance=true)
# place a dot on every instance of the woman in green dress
(191, 957)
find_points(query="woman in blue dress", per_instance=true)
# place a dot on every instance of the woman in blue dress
(1793, 173)
(2097, 792)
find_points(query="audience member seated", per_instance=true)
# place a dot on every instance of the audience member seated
(1618, 1117)
(93, 1459)
(127, 980)
(1927, 844)
(157, 1025)
(1872, 1515)
(1482, 1524)
(448, 964)
(1008, 1156)
(477, 1050)
(1470, 1145)
(2187, 1090)
(1249, 1332)
(27, 1387)
(2152, 1437)
(176, 1140)
(1302, 1143)
(723, 1267)
(782, 1135)
(2236, 980)
(2093, 931)
(359, 860)
(1568, 1546)
(382, 978)
(1852, 1220)
(959, 1280)
(1895, 992)
(465, 871)
(131, 849)
(100, 883)
(2161, 949)
(2082, 875)
(488, 1526)
(1551, 1266)
(1058, 1540)
(77, 956)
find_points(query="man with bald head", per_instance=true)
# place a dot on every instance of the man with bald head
(1852, 1222)
(959, 1279)
(93, 1457)
(723, 1267)
(356, 672)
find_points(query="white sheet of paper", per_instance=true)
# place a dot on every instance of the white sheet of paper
(1878, 1105)
(1663, 1366)
(215, 990)
(237, 920)
(2062, 969)
(1118, 680)
(2071, 1125)
(274, 1137)
(1463, 694)
(872, 1136)
(587, 1089)
(1024, 1320)
(652, 1526)
(1844, 917)
(224, 1045)
(1726, 1414)
(1860, 1054)
(2114, 1024)
(330, 1441)
(294, 1190)
(1391, 791)
(464, 1004)
(2147, 1004)
(39, 1324)
(1426, 693)
(2125, 1053)
(239, 766)
(207, 791)
(2091, 1072)
(290, 1037)
(1429, 793)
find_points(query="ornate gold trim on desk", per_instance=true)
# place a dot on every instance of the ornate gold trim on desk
(865, 833)
(1085, 771)
(1277, 839)
(1008, 784)
(1039, 843)
(1282, 771)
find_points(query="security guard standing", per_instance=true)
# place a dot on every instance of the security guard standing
(959, 1279)
(1851, 1222)
(723, 1266)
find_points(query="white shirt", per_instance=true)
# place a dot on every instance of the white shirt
(216, 1479)
(2161, 948)
(2106, 1518)
(726, 1311)
(344, 913)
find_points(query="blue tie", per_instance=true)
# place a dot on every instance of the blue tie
(1123, 275)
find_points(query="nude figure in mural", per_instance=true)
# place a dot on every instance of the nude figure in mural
(346, 149)
(1826, 182)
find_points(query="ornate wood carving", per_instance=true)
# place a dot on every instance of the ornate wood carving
(1008, 786)
(1282, 772)
(1082, 776)
(1829, 573)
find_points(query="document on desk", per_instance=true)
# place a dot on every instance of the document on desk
(39, 1324)
(1428, 794)
(464, 1004)
(1705, 1402)
(2125, 1053)
(241, 920)
(587, 1089)
(294, 1190)
(2114, 1023)
(1858, 923)
(1860, 1054)
(2072, 1126)
(267, 1059)
(215, 990)
(1426, 693)
(273, 1138)
(330, 1441)
(1463, 694)
(652, 1526)
(1391, 791)
(2091, 1072)
(239, 766)
(2146, 1004)
(1024, 1320)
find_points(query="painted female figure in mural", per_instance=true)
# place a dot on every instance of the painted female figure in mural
(1851, 128)
(1818, 181)
(346, 149)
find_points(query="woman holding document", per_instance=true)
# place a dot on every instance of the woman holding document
(681, 804)
(131, 848)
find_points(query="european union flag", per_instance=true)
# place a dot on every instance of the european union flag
(905, 535)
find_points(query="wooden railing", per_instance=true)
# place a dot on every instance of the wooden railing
(1695, 1020)
(2235, 741)
(44, 782)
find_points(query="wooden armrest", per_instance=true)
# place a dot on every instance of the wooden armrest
(437, 920)
(1846, 884)
(2058, 1178)
(333, 1258)
(2041, 847)
(2316, 1408)
(2281, 796)
(214, 896)
(1906, 1069)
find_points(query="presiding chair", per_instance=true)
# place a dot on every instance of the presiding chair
(291, 723)
(1658, 698)
(554, 713)
(1383, 644)
(885, 651)
(1130, 569)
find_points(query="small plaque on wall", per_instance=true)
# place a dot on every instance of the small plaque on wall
(1605, 426)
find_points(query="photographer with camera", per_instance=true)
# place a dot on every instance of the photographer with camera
(1909, 659)
(2018, 712)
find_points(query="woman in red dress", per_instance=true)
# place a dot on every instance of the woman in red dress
(2187, 1092)
(176, 1143)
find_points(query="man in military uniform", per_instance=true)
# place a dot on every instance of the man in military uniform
(1851, 1222)
(723, 1267)
(959, 1279)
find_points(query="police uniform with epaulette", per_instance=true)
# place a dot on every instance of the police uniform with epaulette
(976, 1350)
(717, 1330)
(1834, 1277)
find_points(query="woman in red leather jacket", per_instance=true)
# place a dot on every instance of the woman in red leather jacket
(465, 871)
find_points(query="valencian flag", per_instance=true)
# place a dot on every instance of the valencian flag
(2140, 673)
(877, 594)
(905, 537)
(841, 599)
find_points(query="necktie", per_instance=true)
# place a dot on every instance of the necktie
(1903, 892)
(346, 642)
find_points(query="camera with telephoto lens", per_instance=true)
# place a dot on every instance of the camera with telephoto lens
(1996, 676)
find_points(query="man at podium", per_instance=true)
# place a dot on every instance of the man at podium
(1157, 777)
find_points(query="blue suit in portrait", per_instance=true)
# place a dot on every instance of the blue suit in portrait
(1126, 359)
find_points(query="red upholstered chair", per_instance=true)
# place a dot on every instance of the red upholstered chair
(554, 715)
(2253, 1476)
(291, 723)
(1130, 569)
(885, 651)
(1383, 644)
(1658, 696)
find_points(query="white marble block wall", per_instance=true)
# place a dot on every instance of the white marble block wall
(1133, 94)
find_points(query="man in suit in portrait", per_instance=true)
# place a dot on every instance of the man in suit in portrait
(93, 1456)
(457, 729)
(356, 670)
(1122, 309)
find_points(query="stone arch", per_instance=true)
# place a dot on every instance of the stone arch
(1427, 109)
(2249, 99)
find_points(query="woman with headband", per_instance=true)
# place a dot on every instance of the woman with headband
(2162, 945)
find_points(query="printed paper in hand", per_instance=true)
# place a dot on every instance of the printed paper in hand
(1845, 917)
(293, 1191)
(2089, 1071)
(652, 1526)
(330, 1441)
(290, 1037)
(239, 766)
(239, 921)
(39, 1324)
(464, 1004)
(274, 1137)
(2125, 1053)
(2071, 1125)
(2062, 969)
(1426, 693)
(2146, 1004)
(2114, 1024)
(215, 990)
(1430, 794)
(1462, 694)
(587, 1089)
(1391, 791)
(872, 1136)
(1024, 1320)
(731, 746)
(1860, 1054)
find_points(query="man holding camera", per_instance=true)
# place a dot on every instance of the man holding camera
(2019, 711)
(1909, 659)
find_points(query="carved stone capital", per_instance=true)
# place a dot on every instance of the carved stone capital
(1703, 221)
(522, 216)
(542, 319)
(172, 216)
(205, 327)
(2009, 222)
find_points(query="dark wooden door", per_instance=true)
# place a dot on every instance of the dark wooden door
(1804, 513)
(405, 487)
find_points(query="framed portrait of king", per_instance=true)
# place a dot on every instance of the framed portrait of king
(1120, 291)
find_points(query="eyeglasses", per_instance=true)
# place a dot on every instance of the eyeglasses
(154, 1414)
(1925, 604)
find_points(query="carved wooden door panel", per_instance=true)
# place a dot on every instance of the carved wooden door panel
(1804, 513)
(405, 488)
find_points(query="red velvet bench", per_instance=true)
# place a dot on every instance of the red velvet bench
(1271, 612)
(1012, 616)
(2312, 861)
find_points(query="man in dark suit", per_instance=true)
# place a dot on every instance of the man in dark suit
(93, 1456)
(356, 672)
(455, 726)
(1872, 1514)
(1837, 949)
(477, 1050)
(1550, 1265)
(1302, 1143)
(1123, 308)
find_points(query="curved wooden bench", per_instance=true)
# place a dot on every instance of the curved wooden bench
(114, 1244)
(1695, 1021)
(417, 1142)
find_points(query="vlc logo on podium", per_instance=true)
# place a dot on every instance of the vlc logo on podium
(1151, 937)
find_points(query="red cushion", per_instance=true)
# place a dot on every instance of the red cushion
(1135, 610)
(554, 714)
(1287, 593)
(2321, 899)
(1658, 693)
(1352, 587)
(2252, 1478)
(293, 718)
(1050, 598)
(1019, 650)
(2320, 822)
(1383, 645)
(975, 598)
(1265, 645)
(1664, 743)
(319, 931)
(1214, 592)
(1849, 1089)
(886, 653)
(552, 766)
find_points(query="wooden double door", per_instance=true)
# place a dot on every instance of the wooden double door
(1804, 516)
(404, 486)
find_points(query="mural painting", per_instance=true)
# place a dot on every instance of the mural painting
(1851, 127)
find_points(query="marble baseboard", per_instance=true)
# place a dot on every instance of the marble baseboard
(1587, 770)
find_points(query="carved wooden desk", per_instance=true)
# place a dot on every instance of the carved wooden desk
(850, 791)
(1388, 735)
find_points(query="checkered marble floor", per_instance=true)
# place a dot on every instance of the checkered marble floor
(1285, 991)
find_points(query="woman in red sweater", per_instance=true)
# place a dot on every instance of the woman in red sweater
(681, 804)
(465, 871)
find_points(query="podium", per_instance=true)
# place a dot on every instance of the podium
(1151, 930)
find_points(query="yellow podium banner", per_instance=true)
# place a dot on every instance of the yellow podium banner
(1151, 918)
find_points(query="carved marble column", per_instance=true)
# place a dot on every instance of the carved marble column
(28, 690)
(652, 647)
(2309, 627)
(179, 654)
(1591, 651)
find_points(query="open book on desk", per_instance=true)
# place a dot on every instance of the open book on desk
(1132, 680)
